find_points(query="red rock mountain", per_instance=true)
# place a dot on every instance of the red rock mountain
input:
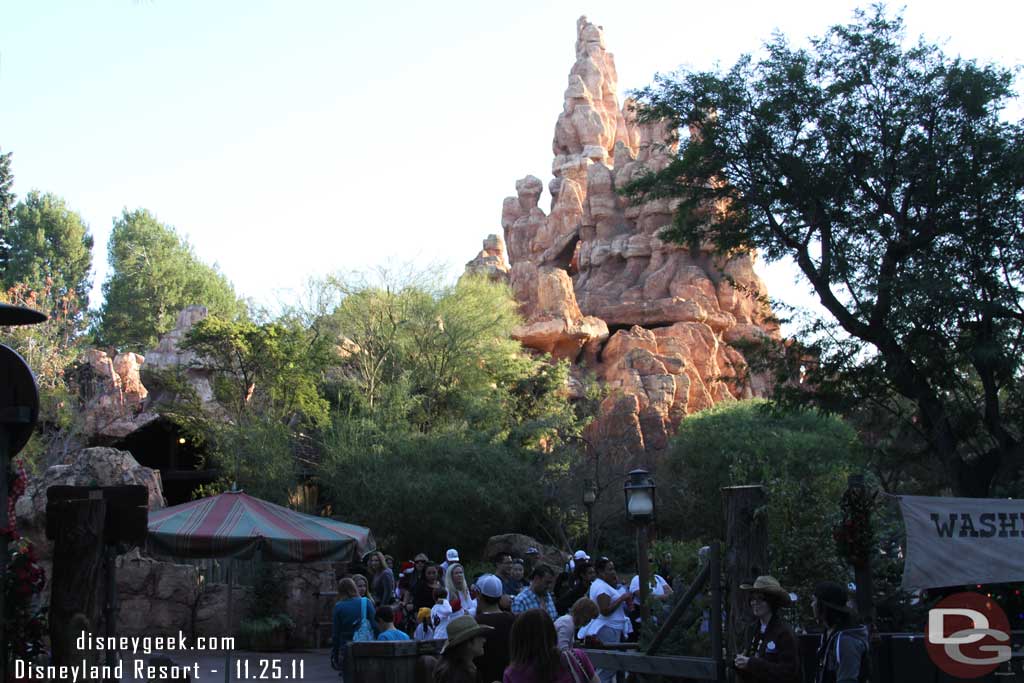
(660, 325)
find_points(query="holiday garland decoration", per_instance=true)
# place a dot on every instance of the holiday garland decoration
(24, 582)
(854, 536)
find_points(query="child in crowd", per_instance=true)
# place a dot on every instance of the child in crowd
(385, 615)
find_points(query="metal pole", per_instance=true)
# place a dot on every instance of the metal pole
(227, 655)
(644, 572)
(590, 529)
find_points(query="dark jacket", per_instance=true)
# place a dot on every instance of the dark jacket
(843, 656)
(774, 657)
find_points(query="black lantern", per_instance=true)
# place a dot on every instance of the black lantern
(640, 497)
(589, 494)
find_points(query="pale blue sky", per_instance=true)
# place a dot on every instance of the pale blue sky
(290, 139)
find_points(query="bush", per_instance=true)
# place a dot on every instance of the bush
(266, 634)
(801, 458)
(429, 492)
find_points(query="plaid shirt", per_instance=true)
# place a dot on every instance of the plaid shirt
(527, 599)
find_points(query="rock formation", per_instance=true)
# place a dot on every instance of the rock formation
(663, 326)
(113, 393)
(115, 402)
(87, 467)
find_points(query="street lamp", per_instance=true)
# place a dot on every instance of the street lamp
(639, 489)
(589, 498)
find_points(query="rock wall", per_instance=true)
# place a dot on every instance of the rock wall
(662, 326)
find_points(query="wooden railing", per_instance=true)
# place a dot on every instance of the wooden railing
(649, 662)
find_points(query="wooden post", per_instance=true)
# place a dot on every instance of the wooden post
(77, 572)
(110, 602)
(746, 557)
(862, 574)
(5, 448)
(715, 566)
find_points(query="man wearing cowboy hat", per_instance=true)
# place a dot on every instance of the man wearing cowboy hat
(843, 655)
(772, 656)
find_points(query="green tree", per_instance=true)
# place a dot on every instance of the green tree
(889, 177)
(443, 429)
(49, 247)
(801, 457)
(448, 349)
(6, 209)
(49, 348)
(154, 273)
(271, 369)
(267, 378)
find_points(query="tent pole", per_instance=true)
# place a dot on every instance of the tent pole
(230, 632)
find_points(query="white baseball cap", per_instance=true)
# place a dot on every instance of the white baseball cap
(489, 585)
(580, 555)
(452, 555)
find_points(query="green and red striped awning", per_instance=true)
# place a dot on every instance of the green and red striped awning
(234, 524)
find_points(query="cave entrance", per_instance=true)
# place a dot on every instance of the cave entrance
(161, 445)
(568, 259)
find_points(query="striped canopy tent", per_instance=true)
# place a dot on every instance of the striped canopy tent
(234, 524)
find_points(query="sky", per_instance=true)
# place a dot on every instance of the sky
(289, 140)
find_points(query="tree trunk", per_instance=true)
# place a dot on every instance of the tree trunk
(77, 587)
(746, 558)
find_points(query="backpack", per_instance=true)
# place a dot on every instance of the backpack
(832, 643)
(364, 631)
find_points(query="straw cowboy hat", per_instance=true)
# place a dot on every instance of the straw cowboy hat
(769, 586)
(461, 629)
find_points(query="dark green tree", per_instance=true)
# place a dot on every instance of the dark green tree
(801, 457)
(429, 491)
(154, 273)
(890, 178)
(49, 248)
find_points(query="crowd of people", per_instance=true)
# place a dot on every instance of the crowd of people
(525, 622)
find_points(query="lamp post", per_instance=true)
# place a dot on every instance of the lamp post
(639, 490)
(589, 498)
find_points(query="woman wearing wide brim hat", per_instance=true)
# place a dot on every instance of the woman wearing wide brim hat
(465, 643)
(772, 656)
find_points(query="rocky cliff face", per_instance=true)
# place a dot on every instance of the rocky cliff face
(662, 326)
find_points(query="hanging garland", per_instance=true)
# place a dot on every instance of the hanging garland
(854, 535)
(24, 618)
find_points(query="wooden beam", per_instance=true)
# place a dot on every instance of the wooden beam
(678, 610)
(700, 668)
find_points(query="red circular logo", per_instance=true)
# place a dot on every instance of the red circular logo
(968, 635)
